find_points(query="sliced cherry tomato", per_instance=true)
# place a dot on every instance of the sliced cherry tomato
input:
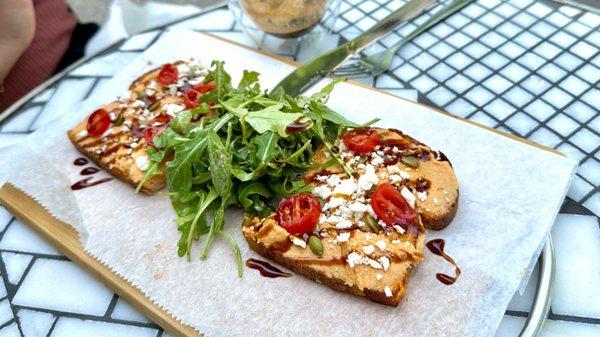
(205, 87)
(298, 214)
(168, 74)
(361, 141)
(152, 130)
(98, 122)
(390, 206)
(190, 99)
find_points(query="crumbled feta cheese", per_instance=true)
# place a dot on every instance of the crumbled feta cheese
(149, 92)
(377, 160)
(152, 85)
(333, 180)
(408, 196)
(183, 69)
(358, 207)
(171, 109)
(422, 195)
(346, 187)
(343, 224)
(133, 145)
(374, 264)
(82, 133)
(354, 259)
(141, 162)
(334, 203)
(298, 242)
(399, 229)
(368, 179)
(404, 175)
(343, 237)
(435, 200)
(393, 169)
(370, 249)
(345, 212)
(388, 291)
(322, 191)
(381, 244)
(385, 262)
(371, 211)
(378, 277)
(395, 178)
(138, 104)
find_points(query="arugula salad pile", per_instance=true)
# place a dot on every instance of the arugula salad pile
(241, 147)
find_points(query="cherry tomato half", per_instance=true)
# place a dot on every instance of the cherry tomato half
(390, 206)
(168, 74)
(361, 141)
(190, 99)
(205, 87)
(152, 130)
(298, 214)
(98, 122)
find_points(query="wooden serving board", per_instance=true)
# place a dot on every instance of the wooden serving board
(64, 238)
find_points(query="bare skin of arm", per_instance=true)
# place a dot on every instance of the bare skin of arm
(17, 28)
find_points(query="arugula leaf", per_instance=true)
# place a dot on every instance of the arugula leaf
(179, 170)
(219, 158)
(249, 78)
(273, 119)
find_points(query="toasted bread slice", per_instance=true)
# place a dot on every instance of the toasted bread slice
(376, 266)
(368, 260)
(122, 149)
(433, 181)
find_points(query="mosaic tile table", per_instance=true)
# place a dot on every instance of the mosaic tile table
(524, 67)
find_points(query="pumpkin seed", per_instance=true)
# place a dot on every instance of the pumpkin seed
(119, 121)
(372, 223)
(154, 106)
(316, 245)
(410, 161)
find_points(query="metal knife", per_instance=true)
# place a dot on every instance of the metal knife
(310, 73)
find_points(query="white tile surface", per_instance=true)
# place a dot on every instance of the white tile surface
(10, 331)
(5, 312)
(590, 169)
(521, 123)
(21, 121)
(593, 203)
(554, 328)
(579, 188)
(562, 124)
(586, 140)
(15, 265)
(69, 327)
(68, 93)
(105, 65)
(126, 312)
(544, 137)
(20, 237)
(35, 323)
(5, 218)
(576, 238)
(44, 96)
(61, 285)
(140, 41)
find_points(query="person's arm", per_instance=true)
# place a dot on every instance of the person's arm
(17, 28)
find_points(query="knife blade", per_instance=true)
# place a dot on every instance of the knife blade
(314, 70)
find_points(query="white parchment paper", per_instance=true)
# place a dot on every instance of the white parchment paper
(510, 193)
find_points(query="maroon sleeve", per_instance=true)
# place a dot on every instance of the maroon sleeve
(54, 26)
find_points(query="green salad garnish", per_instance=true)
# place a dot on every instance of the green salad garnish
(241, 147)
